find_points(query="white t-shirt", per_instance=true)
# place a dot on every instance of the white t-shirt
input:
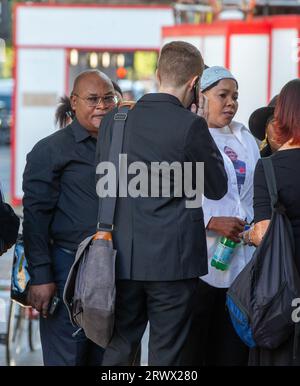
(230, 145)
(240, 153)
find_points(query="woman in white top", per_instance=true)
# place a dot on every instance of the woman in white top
(213, 340)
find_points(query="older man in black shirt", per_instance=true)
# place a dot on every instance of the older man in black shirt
(60, 210)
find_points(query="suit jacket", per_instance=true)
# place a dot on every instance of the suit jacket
(159, 239)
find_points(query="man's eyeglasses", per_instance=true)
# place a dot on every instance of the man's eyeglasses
(93, 101)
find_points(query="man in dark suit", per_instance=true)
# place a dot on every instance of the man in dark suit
(160, 242)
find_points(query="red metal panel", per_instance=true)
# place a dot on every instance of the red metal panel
(194, 30)
(227, 50)
(299, 52)
(283, 21)
(259, 26)
(83, 5)
(15, 201)
(249, 27)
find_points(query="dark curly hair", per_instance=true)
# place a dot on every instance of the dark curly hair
(63, 112)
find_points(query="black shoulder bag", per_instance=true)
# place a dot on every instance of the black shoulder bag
(260, 300)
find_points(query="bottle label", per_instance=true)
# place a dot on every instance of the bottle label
(223, 254)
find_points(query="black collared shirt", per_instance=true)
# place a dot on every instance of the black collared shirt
(60, 200)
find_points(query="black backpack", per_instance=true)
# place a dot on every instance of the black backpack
(260, 298)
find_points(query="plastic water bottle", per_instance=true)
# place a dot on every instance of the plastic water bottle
(224, 252)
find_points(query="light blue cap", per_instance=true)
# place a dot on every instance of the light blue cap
(213, 74)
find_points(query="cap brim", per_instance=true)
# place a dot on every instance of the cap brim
(258, 121)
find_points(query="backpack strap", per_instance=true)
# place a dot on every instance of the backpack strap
(295, 342)
(271, 184)
(108, 204)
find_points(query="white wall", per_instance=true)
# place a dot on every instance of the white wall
(249, 64)
(284, 58)
(212, 47)
(92, 26)
(40, 74)
(214, 50)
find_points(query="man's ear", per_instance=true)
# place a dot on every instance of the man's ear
(158, 77)
(73, 102)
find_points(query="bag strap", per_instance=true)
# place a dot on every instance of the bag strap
(108, 204)
(271, 181)
(1, 194)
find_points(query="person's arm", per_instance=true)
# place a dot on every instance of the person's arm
(226, 226)
(262, 208)
(41, 192)
(256, 233)
(9, 225)
(200, 147)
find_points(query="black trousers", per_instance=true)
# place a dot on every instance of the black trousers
(58, 345)
(167, 306)
(212, 339)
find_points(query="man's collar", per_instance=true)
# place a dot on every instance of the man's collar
(80, 132)
(161, 97)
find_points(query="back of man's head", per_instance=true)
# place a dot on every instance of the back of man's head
(178, 62)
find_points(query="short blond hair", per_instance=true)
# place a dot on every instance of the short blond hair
(178, 62)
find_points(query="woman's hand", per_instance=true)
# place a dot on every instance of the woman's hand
(230, 227)
(255, 234)
(247, 237)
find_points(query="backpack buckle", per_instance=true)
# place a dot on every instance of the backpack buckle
(105, 227)
(120, 117)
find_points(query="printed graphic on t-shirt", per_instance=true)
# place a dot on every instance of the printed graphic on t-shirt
(239, 166)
